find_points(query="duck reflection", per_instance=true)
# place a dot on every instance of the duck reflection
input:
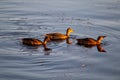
(99, 47)
(57, 41)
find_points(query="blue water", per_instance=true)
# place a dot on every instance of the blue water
(34, 18)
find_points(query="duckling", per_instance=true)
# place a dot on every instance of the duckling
(60, 36)
(36, 42)
(90, 41)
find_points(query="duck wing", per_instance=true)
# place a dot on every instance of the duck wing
(86, 41)
(56, 36)
(31, 41)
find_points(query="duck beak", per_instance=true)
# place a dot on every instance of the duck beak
(104, 36)
(72, 30)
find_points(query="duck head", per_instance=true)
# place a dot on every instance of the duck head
(69, 30)
(100, 38)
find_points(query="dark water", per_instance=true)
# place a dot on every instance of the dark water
(34, 18)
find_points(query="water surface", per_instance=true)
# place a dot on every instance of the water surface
(34, 18)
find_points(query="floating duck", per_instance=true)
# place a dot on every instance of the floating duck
(57, 37)
(90, 41)
(60, 36)
(36, 42)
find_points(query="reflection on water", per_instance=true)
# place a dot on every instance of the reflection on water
(99, 47)
(35, 18)
(68, 41)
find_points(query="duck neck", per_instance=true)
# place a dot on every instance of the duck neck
(99, 40)
(45, 41)
(67, 33)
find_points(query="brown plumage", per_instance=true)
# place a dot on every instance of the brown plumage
(36, 42)
(31, 41)
(60, 36)
(90, 41)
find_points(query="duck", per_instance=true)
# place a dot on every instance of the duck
(36, 42)
(60, 36)
(90, 41)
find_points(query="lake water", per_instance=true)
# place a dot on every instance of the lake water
(34, 18)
